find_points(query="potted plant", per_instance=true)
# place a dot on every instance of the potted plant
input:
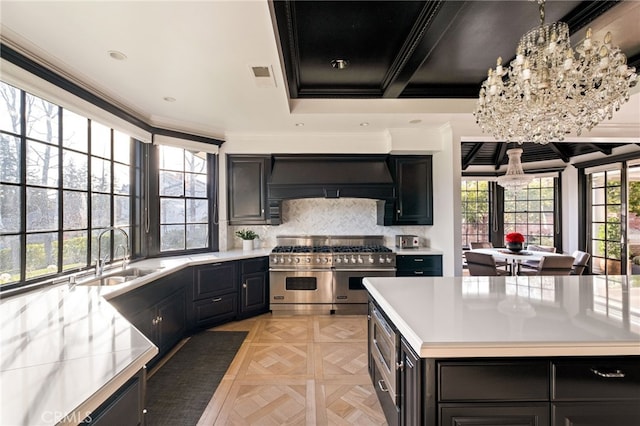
(247, 236)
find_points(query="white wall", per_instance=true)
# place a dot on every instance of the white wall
(570, 225)
(357, 216)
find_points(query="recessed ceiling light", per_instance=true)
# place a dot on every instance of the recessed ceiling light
(169, 99)
(117, 55)
(415, 121)
(364, 124)
(340, 64)
(299, 124)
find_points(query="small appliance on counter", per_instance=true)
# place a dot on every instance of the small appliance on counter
(407, 241)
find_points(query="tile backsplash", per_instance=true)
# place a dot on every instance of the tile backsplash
(321, 216)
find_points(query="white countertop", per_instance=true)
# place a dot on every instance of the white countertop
(65, 350)
(513, 316)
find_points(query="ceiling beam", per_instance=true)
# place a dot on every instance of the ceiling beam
(498, 156)
(603, 148)
(421, 42)
(471, 155)
(560, 151)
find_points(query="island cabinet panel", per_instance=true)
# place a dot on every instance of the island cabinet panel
(419, 265)
(412, 404)
(254, 287)
(494, 381)
(215, 294)
(596, 413)
(494, 414)
(596, 379)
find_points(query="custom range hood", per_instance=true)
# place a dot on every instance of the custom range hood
(330, 176)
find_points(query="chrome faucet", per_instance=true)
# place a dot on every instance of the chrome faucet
(102, 260)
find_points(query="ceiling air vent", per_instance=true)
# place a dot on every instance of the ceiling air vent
(263, 76)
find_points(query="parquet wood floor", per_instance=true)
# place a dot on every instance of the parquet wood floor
(297, 370)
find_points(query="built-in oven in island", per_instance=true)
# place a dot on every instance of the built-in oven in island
(384, 343)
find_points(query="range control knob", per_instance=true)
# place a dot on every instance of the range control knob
(370, 259)
(338, 260)
(388, 259)
(297, 260)
(381, 259)
(308, 260)
(360, 260)
(274, 260)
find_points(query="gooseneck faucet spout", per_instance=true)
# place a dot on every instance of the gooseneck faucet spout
(102, 260)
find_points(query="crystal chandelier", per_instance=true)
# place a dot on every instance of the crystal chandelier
(515, 178)
(547, 91)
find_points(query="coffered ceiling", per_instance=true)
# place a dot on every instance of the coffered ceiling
(195, 66)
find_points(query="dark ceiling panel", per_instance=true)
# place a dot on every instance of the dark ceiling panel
(417, 49)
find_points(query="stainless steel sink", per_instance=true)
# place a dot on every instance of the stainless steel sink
(120, 276)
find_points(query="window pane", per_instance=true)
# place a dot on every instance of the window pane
(597, 196)
(197, 236)
(42, 119)
(597, 213)
(195, 162)
(172, 237)
(172, 211)
(534, 206)
(74, 131)
(74, 205)
(100, 140)
(9, 259)
(9, 159)
(74, 249)
(121, 212)
(42, 164)
(42, 254)
(171, 184)
(100, 175)
(9, 208)
(196, 185)
(74, 173)
(171, 158)
(613, 195)
(121, 179)
(10, 106)
(121, 147)
(42, 209)
(197, 211)
(100, 210)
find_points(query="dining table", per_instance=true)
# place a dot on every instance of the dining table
(515, 259)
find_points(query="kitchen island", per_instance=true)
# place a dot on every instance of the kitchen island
(506, 350)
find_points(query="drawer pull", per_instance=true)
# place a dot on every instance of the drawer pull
(217, 299)
(382, 386)
(418, 272)
(617, 374)
(418, 260)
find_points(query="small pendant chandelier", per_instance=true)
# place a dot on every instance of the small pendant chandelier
(515, 178)
(548, 91)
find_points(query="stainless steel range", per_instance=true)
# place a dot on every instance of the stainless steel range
(323, 274)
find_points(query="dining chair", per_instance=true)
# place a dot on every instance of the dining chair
(552, 265)
(533, 264)
(580, 262)
(480, 264)
(489, 244)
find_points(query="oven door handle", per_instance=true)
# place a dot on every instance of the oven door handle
(366, 270)
(299, 270)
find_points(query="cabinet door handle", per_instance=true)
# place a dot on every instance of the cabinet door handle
(418, 272)
(159, 319)
(418, 260)
(382, 386)
(217, 299)
(400, 365)
(244, 285)
(154, 321)
(617, 374)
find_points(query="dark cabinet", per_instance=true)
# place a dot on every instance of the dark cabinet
(413, 205)
(419, 265)
(247, 178)
(215, 294)
(158, 310)
(254, 287)
(596, 413)
(494, 414)
(125, 407)
(164, 323)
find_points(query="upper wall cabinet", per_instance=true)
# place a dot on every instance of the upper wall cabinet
(247, 185)
(414, 202)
